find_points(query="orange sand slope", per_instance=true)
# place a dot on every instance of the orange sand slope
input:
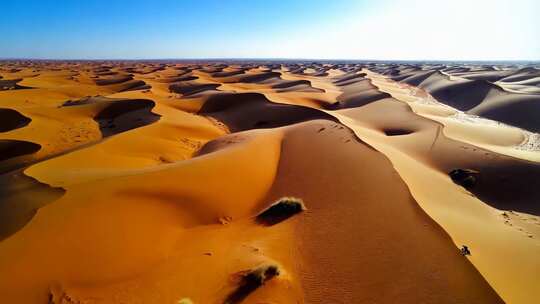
(268, 182)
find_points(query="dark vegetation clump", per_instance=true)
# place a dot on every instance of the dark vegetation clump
(397, 132)
(465, 250)
(466, 178)
(281, 210)
(251, 281)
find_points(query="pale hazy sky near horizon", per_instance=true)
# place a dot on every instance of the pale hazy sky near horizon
(316, 29)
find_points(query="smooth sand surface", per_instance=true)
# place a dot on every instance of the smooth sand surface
(141, 182)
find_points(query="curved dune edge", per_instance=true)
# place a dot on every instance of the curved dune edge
(481, 92)
(151, 185)
(510, 280)
(11, 119)
(124, 115)
(475, 131)
(480, 293)
(175, 137)
(516, 234)
(353, 242)
(78, 124)
(57, 129)
(12, 149)
(468, 220)
(11, 84)
(17, 208)
(167, 207)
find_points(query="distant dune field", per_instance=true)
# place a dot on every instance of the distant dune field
(269, 182)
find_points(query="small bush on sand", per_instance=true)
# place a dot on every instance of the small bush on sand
(251, 281)
(281, 210)
(466, 178)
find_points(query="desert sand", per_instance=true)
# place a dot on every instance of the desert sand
(269, 182)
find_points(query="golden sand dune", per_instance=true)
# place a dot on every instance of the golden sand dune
(268, 182)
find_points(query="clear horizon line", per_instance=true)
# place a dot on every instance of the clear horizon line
(264, 58)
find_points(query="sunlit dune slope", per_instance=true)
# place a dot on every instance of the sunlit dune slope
(268, 182)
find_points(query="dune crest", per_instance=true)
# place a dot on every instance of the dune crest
(268, 182)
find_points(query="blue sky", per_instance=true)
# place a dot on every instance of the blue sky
(338, 29)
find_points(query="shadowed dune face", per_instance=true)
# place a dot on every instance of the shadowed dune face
(14, 148)
(462, 95)
(121, 116)
(112, 80)
(268, 182)
(525, 80)
(416, 78)
(14, 153)
(117, 115)
(11, 85)
(254, 111)
(349, 79)
(11, 119)
(357, 91)
(517, 110)
(22, 196)
(187, 88)
(295, 86)
(510, 96)
(131, 85)
(84, 101)
(120, 82)
(256, 78)
(500, 180)
(228, 73)
(178, 78)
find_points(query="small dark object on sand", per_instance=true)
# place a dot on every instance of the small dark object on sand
(281, 210)
(464, 177)
(251, 281)
(465, 250)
